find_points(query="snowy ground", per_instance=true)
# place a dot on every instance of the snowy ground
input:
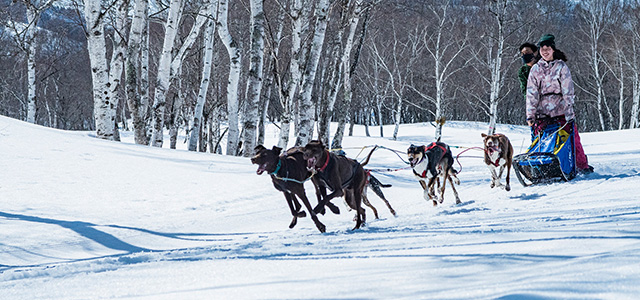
(82, 218)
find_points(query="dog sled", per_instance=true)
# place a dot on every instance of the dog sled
(551, 156)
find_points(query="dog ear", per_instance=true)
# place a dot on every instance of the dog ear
(484, 135)
(276, 149)
(258, 148)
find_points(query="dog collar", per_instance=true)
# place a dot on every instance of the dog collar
(277, 167)
(326, 163)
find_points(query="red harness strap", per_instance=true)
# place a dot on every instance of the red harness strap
(431, 146)
(326, 163)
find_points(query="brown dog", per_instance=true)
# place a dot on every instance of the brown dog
(342, 175)
(288, 173)
(498, 153)
(432, 163)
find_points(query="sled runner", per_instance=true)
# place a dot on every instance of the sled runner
(551, 156)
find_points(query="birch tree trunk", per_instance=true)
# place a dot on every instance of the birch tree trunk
(28, 45)
(254, 82)
(117, 58)
(495, 65)
(170, 67)
(133, 83)
(32, 16)
(288, 92)
(163, 73)
(234, 77)
(209, 41)
(595, 15)
(103, 107)
(307, 111)
(345, 63)
(444, 49)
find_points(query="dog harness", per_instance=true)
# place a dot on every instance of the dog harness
(427, 149)
(322, 174)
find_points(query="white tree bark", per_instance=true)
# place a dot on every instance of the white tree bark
(345, 66)
(26, 41)
(307, 112)
(32, 16)
(235, 66)
(209, 41)
(596, 15)
(288, 93)
(444, 49)
(254, 82)
(133, 70)
(103, 107)
(495, 65)
(164, 69)
(170, 66)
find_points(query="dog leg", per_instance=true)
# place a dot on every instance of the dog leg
(301, 194)
(494, 176)
(291, 201)
(375, 186)
(431, 186)
(360, 214)
(366, 202)
(508, 187)
(445, 176)
(455, 193)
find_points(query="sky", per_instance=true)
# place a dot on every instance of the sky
(82, 218)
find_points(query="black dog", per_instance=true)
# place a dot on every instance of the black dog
(430, 163)
(342, 175)
(288, 173)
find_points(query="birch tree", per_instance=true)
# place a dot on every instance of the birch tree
(632, 63)
(134, 70)
(397, 71)
(104, 108)
(287, 89)
(443, 48)
(170, 65)
(491, 60)
(235, 60)
(25, 37)
(305, 125)
(254, 82)
(209, 41)
(345, 65)
(596, 15)
(164, 69)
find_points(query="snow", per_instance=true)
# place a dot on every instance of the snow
(83, 218)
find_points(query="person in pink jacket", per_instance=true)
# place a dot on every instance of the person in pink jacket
(550, 95)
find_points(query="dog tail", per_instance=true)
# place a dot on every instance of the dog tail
(366, 160)
(375, 182)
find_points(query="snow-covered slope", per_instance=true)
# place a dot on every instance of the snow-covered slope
(83, 218)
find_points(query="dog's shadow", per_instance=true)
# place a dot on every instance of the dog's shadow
(528, 197)
(461, 209)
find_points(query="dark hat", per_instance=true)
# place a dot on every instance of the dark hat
(547, 40)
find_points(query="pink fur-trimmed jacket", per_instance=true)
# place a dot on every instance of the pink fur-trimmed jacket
(550, 90)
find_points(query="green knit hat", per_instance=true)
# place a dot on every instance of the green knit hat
(547, 40)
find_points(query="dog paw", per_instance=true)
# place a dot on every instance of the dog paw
(493, 184)
(508, 188)
(293, 223)
(334, 209)
(435, 203)
(301, 214)
(321, 227)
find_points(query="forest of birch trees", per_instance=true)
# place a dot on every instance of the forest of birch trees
(214, 73)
